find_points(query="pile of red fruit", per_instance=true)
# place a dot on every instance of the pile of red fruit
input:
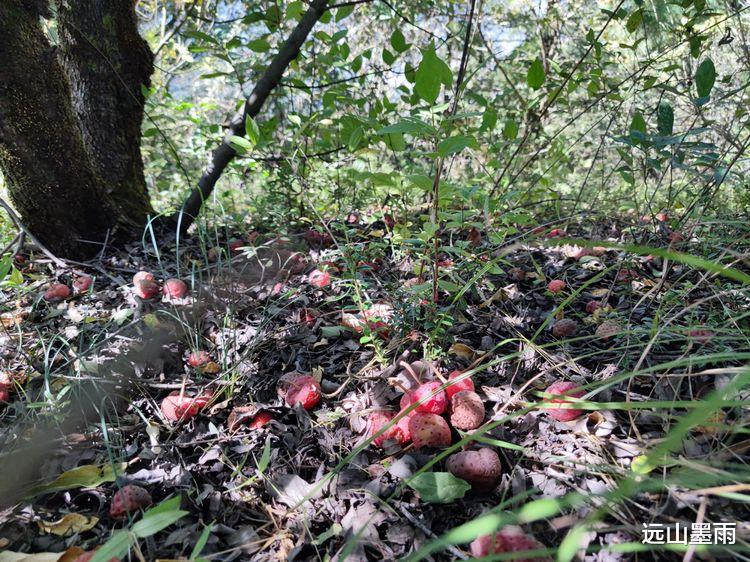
(146, 287)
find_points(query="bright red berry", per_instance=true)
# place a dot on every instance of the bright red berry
(128, 499)
(563, 390)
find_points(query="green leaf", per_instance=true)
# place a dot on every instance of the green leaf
(535, 76)
(265, 458)
(395, 141)
(665, 119)
(638, 125)
(86, 476)
(510, 131)
(634, 21)
(705, 77)
(355, 138)
(252, 131)
(431, 72)
(241, 144)
(455, 144)
(258, 45)
(201, 543)
(409, 125)
(155, 520)
(116, 547)
(398, 41)
(439, 487)
(421, 181)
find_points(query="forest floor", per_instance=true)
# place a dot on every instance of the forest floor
(261, 478)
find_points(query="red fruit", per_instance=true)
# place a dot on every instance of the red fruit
(565, 328)
(317, 239)
(198, 358)
(4, 395)
(381, 419)
(87, 556)
(261, 419)
(181, 407)
(235, 245)
(129, 499)
(475, 237)
(661, 217)
(480, 468)
(319, 278)
(701, 336)
(175, 289)
(467, 410)
(142, 276)
(352, 218)
(56, 292)
(82, 283)
(556, 233)
(464, 384)
(556, 285)
(429, 430)
(436, 404)
(300, 389)
(591, 306)
(389, 221)
(308, 316)
(146, 289)
(507, 539)
(563, 389)
(675, 237)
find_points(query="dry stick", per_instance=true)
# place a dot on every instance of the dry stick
(440, 162)
(13, 217)
(224, 154)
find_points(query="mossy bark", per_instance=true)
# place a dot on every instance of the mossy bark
(70, 121)
(50, 179)
(108, 63)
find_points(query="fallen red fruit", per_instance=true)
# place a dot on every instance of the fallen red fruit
(507, 539)
(82, 283)
(128, 499)
(56, 292)
(556, 233)
(467, 410)
(235, 245)
(142, 276)
(675, 237)
(565, 328)
(308, 316)
(556, 285)
(381, 419)
(661, 217)
(317, 239)
(591, 306)
(429, 430)
(4, 395)
(480, 468)
(146, 289)
(319, 278)
(563, 390)
(389, 221)
(180, 407)
(432, 404)
(175, 289)
(198, 358)
(261, 419)
(464, 383)
(701, 336)
(300, 389)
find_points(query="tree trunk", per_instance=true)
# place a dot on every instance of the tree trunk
(42, 156)
(107, 63)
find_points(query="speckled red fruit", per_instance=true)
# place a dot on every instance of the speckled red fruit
(467, 410)
(82, 283)
(565, 328)
(556, 233)
(429, 430)
(142, 276)
(381, 419)
(592, 306)
(436, 404)
(261, 419)
(301, 389)
(563, 389)
(4, 395)
(308, 316)
(465, 383)
(480, 468)
(389, 221)
(175, 289)
(556, 285)
(129, 499)
(198, 358)
(507, 539)
(235, 245)
(146, 289)
(701, 336)
(56, 292)
(319, 278)
(181, 407)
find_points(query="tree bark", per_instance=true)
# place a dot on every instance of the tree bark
(50, 179)
(107, 63)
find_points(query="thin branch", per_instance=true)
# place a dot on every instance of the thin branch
(17, 221)
(346, 4)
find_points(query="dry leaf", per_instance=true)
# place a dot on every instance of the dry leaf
(70, 524)
(464, 351)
